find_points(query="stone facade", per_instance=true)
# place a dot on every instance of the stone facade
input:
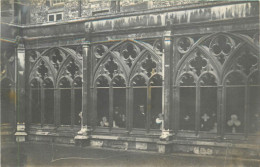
(140, 79)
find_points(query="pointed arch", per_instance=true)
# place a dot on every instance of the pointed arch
(66, 50)
(236, 54)
(244, 40)
(136, 75)
(104, 77)
(115, 52)
(242, 80)
(209, 73)
(155, 80)
(102, 62)
(191, 54)
(137, 65)
(7, 80)
(254, 77)
(121, 82)
(35, 66)
(63, 67)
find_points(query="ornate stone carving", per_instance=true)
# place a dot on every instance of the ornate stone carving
(57, 58)
(99, 51)
(119, 82)
(149, 65)
(139, 81)
(42, 70)
(247, 61)
(184, 44)
(221, 46)
(198, 63)
(72, 69)
(129, 52)
(111, 66)
(187, 80)
(102, 82)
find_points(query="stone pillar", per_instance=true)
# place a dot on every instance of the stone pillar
(166, 93)
(20, 91)
(83, 136)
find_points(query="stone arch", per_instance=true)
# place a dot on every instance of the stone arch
(104, 60)
(183, 62)
(62, 70)
(36, 64)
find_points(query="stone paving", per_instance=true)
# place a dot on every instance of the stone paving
(43, 154)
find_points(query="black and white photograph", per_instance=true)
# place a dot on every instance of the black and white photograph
(129, 83)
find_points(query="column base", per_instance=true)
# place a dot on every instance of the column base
(83, 137)
(20, 137)
(166, 135)
(20, 134)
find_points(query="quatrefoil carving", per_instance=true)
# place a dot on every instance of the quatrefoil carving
(149, 65)
(57, 59)
(99, 51)
(198, 63)
(247, 61)
(221, 47)
(72, 68)
(184, 44)
(129, 53)
(111, 66)
(42, 70)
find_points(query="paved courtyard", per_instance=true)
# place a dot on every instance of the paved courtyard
(40, 154)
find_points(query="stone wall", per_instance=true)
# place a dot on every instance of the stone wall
(39, 11)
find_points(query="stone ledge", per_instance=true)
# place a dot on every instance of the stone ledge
(135, 139)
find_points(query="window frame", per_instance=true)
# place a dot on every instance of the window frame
(55, 17)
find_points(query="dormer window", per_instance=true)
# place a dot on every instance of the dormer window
(55, 17)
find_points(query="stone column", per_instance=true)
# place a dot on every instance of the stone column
(166, 93)
(20, 91)
(83, 137)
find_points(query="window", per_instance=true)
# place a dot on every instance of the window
(65, 101)
(78, 100)
(7, 102)
(208, 103)
(147, 102)
(55, 17)
(187, 102)
(102, 102)
(41, 103)
(235, 110)
(58, 17)
(155, 99)
(254, 102)
(198, 98)
(48, 101)
(51, 17)
(35, 101)
(119, 102)
(139, 102)
(143, 96)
